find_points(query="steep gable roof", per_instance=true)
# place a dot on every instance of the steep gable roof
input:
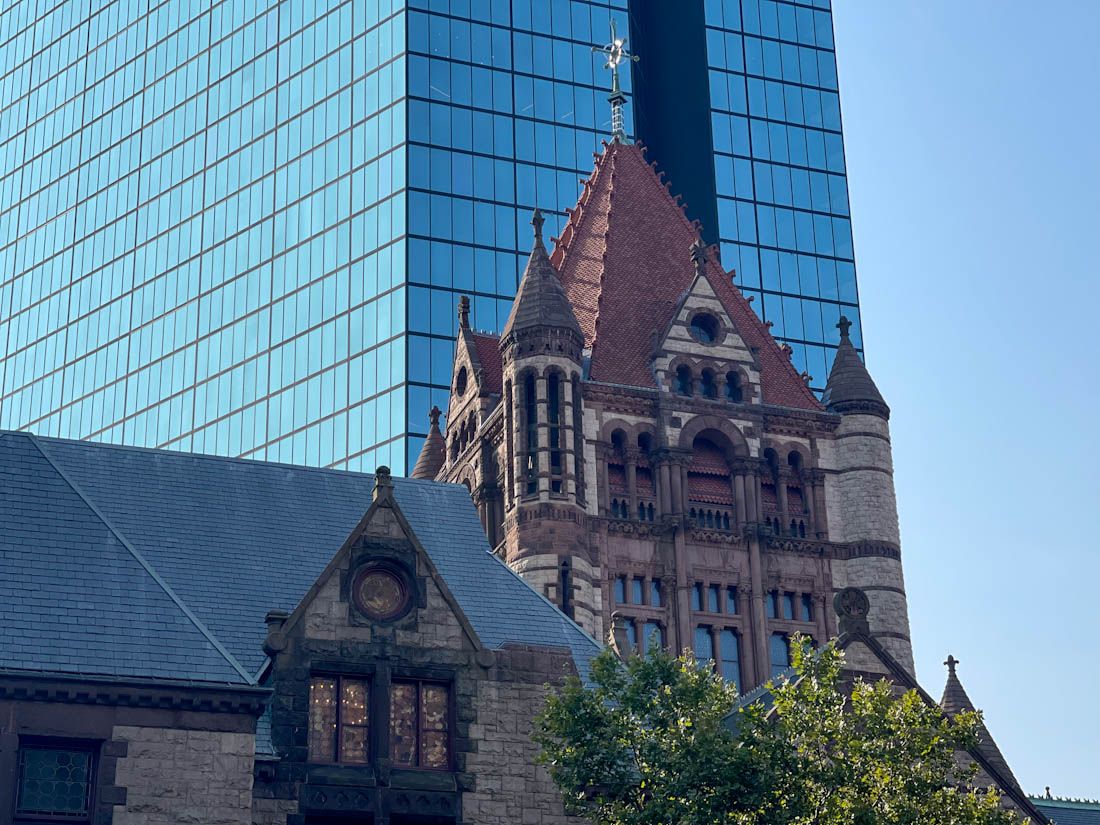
(624, 259)
(229, 539)
(488, 352)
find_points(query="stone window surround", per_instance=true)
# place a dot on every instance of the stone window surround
(91, 746)
(719, 368)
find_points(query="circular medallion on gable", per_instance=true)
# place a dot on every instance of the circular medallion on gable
(380, 593)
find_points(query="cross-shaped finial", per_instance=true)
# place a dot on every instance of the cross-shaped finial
(616, 53)
(951, 662)
(844, 325)
(537, 220)
(434, 415)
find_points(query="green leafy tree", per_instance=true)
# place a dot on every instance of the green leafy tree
(662, 741)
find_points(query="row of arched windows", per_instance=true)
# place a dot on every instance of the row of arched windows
(718, 519)
(798, 527)
(708, 384)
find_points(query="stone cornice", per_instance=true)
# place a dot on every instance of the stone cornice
(137, 693)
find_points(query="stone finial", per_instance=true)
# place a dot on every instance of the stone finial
(852, 606)
(383, 482)
(275, 642)
(844, 325)
(699, 256)
(537, 220)
(464, 312)
(619, 640)
(951, 662)
(433, 416)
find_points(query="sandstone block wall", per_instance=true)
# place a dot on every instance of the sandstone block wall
(184, 776)
(510, 788)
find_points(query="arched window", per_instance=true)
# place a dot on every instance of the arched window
(649, 511)
(460, 382)
(531, 421)
(780, 653)
(553, 416)
(707, 386)
(731, 658)
(566, 589)
(683, 380)
(733, 387)
(578, 440)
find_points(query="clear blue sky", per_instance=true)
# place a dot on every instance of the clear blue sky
(972, 132)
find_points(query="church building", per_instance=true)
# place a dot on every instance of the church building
(634, 461)
(637, 443)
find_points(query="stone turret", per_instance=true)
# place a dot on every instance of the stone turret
(860, 499)
(541, 354)
(433, 455)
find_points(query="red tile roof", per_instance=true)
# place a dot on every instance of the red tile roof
(488, 352)
(624, 260)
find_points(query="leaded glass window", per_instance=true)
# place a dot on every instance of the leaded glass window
(780, 654)
(339, 709)
(55, 782)
(420, 725)
(704, 645)
(731, 659)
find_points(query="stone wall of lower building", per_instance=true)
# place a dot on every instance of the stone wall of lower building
(510, 787)
(184, 776)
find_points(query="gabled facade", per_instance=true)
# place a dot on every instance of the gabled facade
(637, 442)
(198, 639)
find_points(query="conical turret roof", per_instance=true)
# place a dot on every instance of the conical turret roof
(540, 300)
(433, 455)
(955, 701)
(850, 387)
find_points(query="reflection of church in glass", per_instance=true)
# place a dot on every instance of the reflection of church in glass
(637, 442)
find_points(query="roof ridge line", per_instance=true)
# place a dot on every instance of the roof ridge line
(569, 231)
(606, 245)
(140, 559)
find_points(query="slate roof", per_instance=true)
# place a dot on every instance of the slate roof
(540, 299)
(433, 453)
(850, 386)
(625, 261)
(125, 561)
(1068, 811)
(954, 701)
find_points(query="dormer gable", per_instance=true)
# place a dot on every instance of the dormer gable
(701, 352)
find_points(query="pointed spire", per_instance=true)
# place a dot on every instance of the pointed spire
(955, 701)
(850, 388)
(540, 299)
(433, 455)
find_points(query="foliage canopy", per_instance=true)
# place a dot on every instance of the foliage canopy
(660, 740)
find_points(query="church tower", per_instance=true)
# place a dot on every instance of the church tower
(863, 510)
(638, 443)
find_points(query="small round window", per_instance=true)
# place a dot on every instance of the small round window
(380, 593)
(704, 328)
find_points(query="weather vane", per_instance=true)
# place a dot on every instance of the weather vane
(616, 53)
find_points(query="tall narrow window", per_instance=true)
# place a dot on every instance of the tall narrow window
(807, 607)
(553, 416)
(55, 782)
(780, 654)
(704, 645)
(531, 421)
(713, 593)
(697, 596)
(338, 720)
(707, 387)
(420, 725)
(654, 636)
(655, 593)
(636, 588)
(683, 380)
(566, 589)
(788, 606)
(731, 600)
(631, 634)
(731, 658)
(772, 600)
(620, 590)
(578, 440)
(733, 387)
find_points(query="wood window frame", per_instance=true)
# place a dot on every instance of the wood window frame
(420, 682)
(335, 757)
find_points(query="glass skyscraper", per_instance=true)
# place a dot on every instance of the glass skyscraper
(242, 227)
